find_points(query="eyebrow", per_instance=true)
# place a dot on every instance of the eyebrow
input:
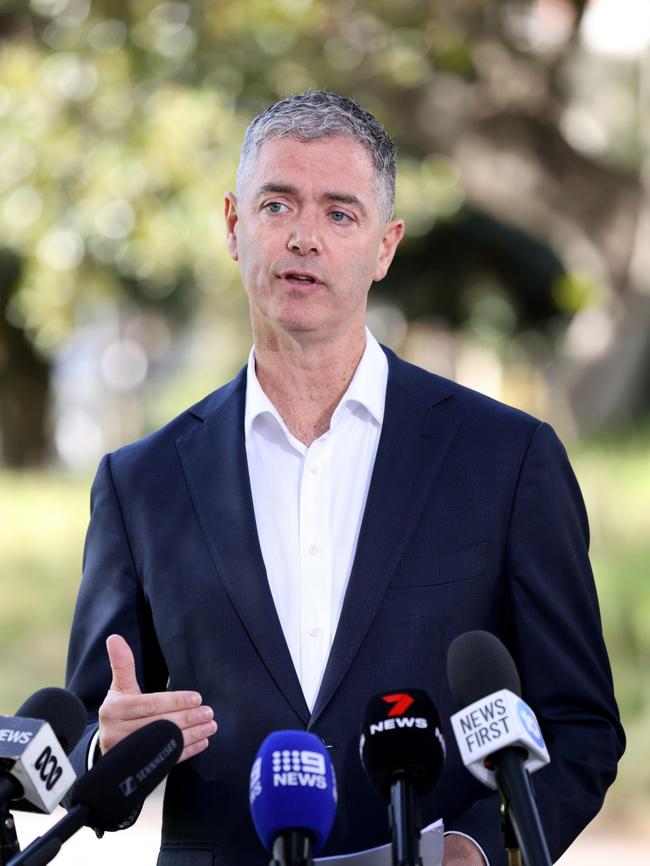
(334, 196)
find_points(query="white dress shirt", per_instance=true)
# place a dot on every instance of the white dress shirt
(309, 502)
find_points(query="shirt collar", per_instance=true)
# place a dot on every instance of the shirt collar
(367, 388)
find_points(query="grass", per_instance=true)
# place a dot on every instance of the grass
(43, 517)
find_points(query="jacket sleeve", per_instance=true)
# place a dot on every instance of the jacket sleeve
(553, 630)
(110, 600)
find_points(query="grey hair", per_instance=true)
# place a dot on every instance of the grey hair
(319, 114)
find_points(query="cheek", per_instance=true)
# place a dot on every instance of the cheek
(359, 271)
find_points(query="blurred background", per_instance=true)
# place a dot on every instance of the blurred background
(523, 128)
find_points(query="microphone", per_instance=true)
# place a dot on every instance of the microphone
(111, 794)
(498, 735)
(36, 773)
(484, 680)
(292, 796)
(403, 751)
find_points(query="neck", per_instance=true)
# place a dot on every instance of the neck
(305, 380)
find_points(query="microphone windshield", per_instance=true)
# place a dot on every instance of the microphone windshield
(119, 783)
(63, 711)
(402, 737)
(292, 787)
(478, 664)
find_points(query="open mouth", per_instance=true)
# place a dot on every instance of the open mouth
(297, 278)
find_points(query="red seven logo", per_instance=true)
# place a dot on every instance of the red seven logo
(402, 703)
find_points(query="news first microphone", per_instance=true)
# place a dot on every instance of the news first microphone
(111, 794)
(35, 773)
(403, 751)
(498, 737)
(292, 796)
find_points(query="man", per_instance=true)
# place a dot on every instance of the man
(321, 528)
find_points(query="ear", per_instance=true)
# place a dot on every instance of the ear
(393, 234)
(230, 213)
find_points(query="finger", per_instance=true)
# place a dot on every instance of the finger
(190, 751)
(196, 739)
(156, 705)
(122, 665)
(110, 734)
(198, 732)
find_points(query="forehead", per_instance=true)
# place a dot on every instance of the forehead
(315, 165)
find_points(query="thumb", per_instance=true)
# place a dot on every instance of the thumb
(122, 665)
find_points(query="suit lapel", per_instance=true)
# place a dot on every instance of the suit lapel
(416, 436)
(213, 456)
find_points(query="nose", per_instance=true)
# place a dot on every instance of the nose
(304, 238)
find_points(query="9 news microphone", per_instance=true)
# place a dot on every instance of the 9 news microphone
(498, 736)
(403, 752)
(292, 796)
(35, 773)
(110, 794)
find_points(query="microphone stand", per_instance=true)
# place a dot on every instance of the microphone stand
(521, 825)
(9, 846)
(292, 848)
(405, 823)
(509, 838)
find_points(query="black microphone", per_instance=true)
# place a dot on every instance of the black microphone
(403, 751)
(35, 773)
(111, 794)
(498, 736)
(63, 710)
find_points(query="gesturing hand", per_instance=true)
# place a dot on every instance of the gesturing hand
(125, 708)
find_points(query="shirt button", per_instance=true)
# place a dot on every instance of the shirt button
(314, 630)
(314, 468)
(313, 549)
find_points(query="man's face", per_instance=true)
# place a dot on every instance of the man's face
(308, 236)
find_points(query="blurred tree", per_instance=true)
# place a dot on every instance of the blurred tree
(121, 125)
(23, 381)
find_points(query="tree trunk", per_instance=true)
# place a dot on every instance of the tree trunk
(24, 384)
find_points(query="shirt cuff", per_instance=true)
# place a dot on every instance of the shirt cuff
(93, 751)
(471, 839)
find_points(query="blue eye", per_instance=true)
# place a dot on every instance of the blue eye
(338, 216)
(274, 206)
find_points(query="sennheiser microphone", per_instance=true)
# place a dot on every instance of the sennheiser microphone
(403, 752)
(110, 794)
(292, 796)
(498, 735)
(36, 773)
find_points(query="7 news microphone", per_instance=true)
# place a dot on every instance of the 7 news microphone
(499, 738)
(403, 752)
(35, 773)
(111, 794)
(292, 796)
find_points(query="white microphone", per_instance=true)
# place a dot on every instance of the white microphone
(34, 758)
(498, 738)
(35, 773)
(495, 722)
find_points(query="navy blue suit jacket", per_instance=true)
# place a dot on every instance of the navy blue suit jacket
(474, 520)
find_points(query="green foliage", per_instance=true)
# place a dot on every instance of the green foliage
(109, 189)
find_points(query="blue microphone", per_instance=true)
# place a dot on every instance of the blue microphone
(292, 796)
